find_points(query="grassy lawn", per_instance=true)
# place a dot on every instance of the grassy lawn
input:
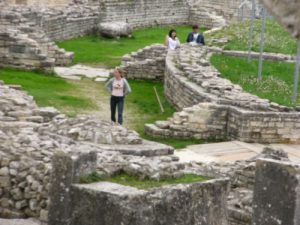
(143, 100)
(108, 52)
(49, 90)
(127, 180)
(277, 83)
(278, 40)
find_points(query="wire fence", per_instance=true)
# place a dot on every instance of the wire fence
(252, 10)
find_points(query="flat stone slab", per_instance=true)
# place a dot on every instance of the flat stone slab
(147, 148)
(81, 71)
(231, 151)
(112, 188)
(20, 222)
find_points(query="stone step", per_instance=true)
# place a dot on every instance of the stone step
(154, 130)
(147, 148)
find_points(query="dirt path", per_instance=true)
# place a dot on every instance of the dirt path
(97, 92)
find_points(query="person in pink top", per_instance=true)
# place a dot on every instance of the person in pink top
(119, 88)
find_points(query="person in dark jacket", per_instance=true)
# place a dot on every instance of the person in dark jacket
(195, 36)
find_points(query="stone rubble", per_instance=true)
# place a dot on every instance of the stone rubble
(147, 63)
(31, 135)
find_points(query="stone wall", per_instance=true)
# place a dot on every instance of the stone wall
(23, 45)
(70, 22)
(225, 110)
(255, 55)
(141, 13)
(110, 204)
(80, 18)
(147, 63)
(264, 127)
(226, 8)
(29, 136)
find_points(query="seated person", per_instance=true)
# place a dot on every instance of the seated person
(172, 41)
(195, 36)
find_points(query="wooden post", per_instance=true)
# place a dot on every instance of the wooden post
(158, 99)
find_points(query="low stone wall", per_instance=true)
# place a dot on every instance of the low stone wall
(264, 127)
(179, 90)
(225, 110)
(182, 204)
(147, 63)
(255, 55)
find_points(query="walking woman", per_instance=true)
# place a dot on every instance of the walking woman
(172, 41)
(119, 88)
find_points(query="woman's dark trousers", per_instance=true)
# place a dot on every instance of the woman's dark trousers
(117, 102)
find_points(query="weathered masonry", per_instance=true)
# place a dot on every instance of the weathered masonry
(113, 204)
(29, 27)
(213, 107)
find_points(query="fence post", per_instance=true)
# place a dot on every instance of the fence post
(262, 43)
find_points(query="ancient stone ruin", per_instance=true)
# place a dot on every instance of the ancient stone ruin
(44, 154)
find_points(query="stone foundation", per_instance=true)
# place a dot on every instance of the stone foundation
(225, 110)
(108, 203)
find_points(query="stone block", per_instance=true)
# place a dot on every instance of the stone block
(115, 29)
(184, 204)
(276, 193)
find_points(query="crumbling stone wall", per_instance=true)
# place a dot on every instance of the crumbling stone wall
(109, 204)
(147, 63)
(225, 110)
(26, 46)
(29, 136)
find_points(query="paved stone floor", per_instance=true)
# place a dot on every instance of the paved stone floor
(231, 151)
(76, 72)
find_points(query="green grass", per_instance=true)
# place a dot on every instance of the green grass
(48, 90)
(277, 83)
(128, 180)
(147, 110)
(143, 98)
(175, 143)
(108, 52)
(278, 40)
